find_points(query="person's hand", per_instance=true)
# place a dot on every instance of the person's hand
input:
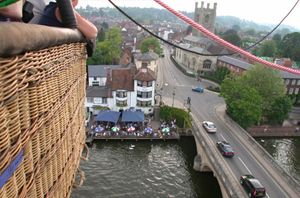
(74, 3)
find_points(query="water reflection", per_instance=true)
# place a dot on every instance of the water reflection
(285, 151)
(150, 169)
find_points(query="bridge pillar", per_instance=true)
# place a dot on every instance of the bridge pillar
(197, 163)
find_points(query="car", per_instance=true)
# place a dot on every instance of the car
(198, 89)
(252, 186)
(225, 149)
(210, 127)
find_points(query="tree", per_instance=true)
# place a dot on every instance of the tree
(268, 83)
(268, 49)
(243, 102)
(150, 43)
(232, 37)
(290, 46)
(109, 50)
(279, 110)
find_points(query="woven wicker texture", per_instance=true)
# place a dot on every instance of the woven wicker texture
(42, 131)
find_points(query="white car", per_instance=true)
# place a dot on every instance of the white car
(210, 127)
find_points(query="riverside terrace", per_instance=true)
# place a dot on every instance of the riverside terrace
(129, 126)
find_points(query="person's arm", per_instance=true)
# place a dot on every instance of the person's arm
(87, 28)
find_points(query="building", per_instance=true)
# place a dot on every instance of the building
(291, 81)
(149, 58)
(126, 87)
(97, 74)
(205, 16)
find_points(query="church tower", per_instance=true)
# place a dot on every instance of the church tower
(205, 16)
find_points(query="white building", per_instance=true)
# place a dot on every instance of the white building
(149, 58)
(126, 87)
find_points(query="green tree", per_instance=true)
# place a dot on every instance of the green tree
(243, 102)
(232, 37)
(109, 50)
(268, 83)
(290, 46)
(268, 49)
(279, 110)
(150, 43)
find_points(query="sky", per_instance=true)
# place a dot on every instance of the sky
(258, 11)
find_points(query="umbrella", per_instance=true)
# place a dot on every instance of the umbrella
(115, 129)
(166, 130)
(131, 129)
(148, 130)
(99, 129)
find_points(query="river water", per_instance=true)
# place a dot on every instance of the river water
(150, 169)
(286, 151)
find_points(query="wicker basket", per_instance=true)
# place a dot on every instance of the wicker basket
(42, 121)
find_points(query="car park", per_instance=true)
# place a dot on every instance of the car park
(225, 149)
(210, 127)
(198, 89)
(252, 186)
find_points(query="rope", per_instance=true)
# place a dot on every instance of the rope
(225, 43)
(82, 178)
(86, 158)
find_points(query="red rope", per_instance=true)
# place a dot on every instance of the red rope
(225, 43)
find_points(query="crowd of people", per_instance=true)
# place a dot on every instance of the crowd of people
(135, 129)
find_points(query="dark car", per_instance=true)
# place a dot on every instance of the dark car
(225, 149)
(198, 89)
(252, 186)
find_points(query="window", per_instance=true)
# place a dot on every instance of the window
(150, 84)
(144, 94)
(121, 103)
(139, 83)
(95, 83)
(104, 100)
(287, 81)
(143, 103)
(207, 64)
(121, 94)
(298, 82)
(194, 62)
(293, 82)
(95, 78)
(90, 100)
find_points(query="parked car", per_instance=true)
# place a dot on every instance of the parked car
(252, 186)
(198, 89)
(210, 127)
(225, 149)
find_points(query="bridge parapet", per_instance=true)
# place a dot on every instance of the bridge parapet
(281, 175)
(230, 187)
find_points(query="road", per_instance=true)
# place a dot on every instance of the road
(203, 105)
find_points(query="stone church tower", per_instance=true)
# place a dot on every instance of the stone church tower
(205, 17)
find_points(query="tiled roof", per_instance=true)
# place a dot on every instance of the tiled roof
(96, 91)
(246, 66)
(122, 79)
(148, 56)
(145, 74)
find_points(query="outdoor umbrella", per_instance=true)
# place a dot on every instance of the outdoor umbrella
(131, 129)
(148, 130)
(115, 129)
(166, 130)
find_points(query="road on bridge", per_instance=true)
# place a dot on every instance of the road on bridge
(172, 83)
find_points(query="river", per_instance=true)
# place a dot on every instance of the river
(150, 169)
(286, 151)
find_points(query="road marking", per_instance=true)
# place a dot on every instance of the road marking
(267, 195)
(223, 137)
(245, 165)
